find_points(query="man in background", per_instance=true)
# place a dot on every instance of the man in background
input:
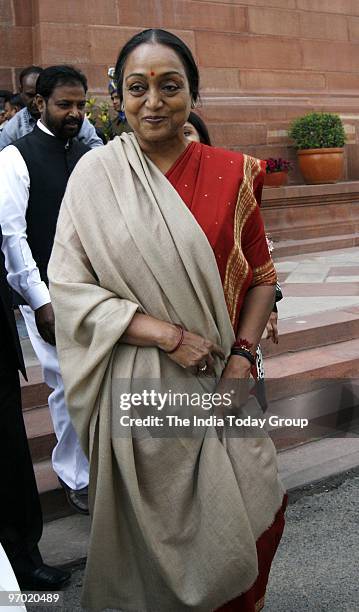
(12, 106)
(4, 96)
(25, 121)
(34, 172)
(119, 123)
(20, 510)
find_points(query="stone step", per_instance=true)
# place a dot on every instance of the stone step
(291, 374)
(40, 432)
(327, 419)
(42, 439)
(336, 229)
(52, 496)
(331, 408)
(311, 218)
(296, 334)
(65, 540)
(322, 351)
(285, 248)
(333, 361)
(34, 392)
(307, 376)
(315, 330)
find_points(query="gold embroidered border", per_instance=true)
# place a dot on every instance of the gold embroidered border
(259, 604)
(237, 265)
(264, 274)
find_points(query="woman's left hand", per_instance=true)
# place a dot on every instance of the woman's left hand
(237, 367)
(235, 380)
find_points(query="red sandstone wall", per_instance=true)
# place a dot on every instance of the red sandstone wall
(15, 40)
(262, 62)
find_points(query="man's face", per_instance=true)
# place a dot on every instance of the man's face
(10, 111)
(28, 92)
(64, 111)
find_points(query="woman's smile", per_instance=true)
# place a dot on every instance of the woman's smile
(154, 120)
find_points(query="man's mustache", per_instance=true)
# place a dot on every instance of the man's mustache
(72, 121)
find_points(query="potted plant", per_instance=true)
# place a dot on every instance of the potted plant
(319, 138)
(277, 172)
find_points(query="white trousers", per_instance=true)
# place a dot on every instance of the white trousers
(68, 459)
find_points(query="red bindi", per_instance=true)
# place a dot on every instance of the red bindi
(152, 73)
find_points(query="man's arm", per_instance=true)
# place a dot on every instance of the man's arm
(8, 134)
(23, 274)
(88, 135)
(20, 125)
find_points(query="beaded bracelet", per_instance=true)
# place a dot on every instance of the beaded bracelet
(243, 343)
(244, 352)
(179, 341)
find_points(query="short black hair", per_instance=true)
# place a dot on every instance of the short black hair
(201, 128)
(54, 76)
(29, 70)
(162, 37)
(16, 100)
(5, 95)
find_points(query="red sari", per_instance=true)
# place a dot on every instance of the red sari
(222, 189)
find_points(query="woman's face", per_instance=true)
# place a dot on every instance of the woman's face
(116, 102)
(156, 94)
(190, 132)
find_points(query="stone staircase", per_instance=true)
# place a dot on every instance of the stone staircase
(42, 440)
(312, 218)
(312, 373)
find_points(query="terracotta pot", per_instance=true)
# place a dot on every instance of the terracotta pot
(276, 179)
(321, 165)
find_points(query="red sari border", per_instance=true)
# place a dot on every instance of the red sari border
(223, 189)
(267, 544)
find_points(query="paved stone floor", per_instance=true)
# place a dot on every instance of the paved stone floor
(318, 282)
(316, 568)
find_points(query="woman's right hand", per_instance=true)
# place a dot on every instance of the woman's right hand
(272, 327)
(195, 352)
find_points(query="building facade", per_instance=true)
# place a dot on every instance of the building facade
(262, 62)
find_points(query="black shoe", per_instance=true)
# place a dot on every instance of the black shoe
(43, 578)
(78, 500)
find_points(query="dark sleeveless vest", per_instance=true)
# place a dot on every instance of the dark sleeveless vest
(50, 162)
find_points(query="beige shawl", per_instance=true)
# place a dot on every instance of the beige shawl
(174, 519)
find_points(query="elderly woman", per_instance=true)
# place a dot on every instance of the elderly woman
(160, 272)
